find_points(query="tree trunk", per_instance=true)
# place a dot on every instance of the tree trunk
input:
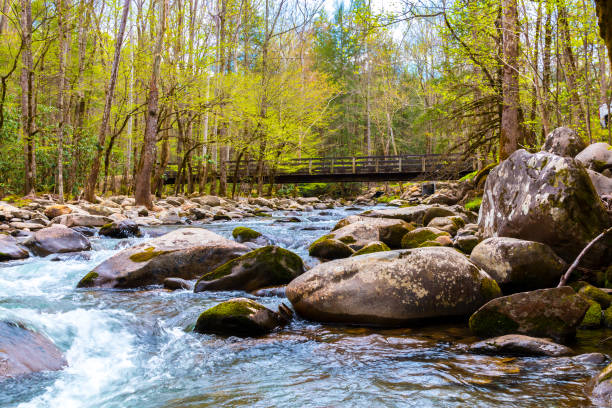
(90, 187)
(510, 132)
(27, 98)
(604, 16)
(142, 190)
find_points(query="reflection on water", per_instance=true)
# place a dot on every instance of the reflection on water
(131, 349)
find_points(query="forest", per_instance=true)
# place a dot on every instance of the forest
(105, 96)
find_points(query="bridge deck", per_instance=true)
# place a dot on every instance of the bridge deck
(356, 168)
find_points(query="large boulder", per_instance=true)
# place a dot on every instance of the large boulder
(81, 220)
(544, 198)
(57, 239)
(53, 211)
(263, 267)
(563, 141)
(422, 237)
(328, 248)
(212, 201)
(185, 253)
(10, 249)
(239, 317)
(121, 229)
(409, 214)
(392, 288)
(360, 233)
(518, 265)
(554, 313)
(23, 351)
(245, 234)
(518, 344)
(602, 184)
(597, 156)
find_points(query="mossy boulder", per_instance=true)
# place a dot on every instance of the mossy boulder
(238, 317)
(184, 253)
(392, 234)
(563, 141)
(120, 229)
(328, 248)
(359, 233)
(23, 351)
(435, 212)
(418, 236)
(592, 318)
(607, 318)
(245, 234)
(521, 345)
(449, 224)
(57, 239)
(392, 288)
(466, 243)
(10, 249)
(372, 247)
(602, 391)
(53, 211)
(263, 267)
(591, 292)
(554, 313)
(544, 198)
(518, 265)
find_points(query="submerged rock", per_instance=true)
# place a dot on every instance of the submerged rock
(121, 229)
(554, 313)
(263, 267)
(517, 264)
(602, 392)
(184, 253)
(392, 288)
(239, 317)
(518, 344)
(10, 249)
(24, 352)
(57, 239)
(563, 141)
(544, 198)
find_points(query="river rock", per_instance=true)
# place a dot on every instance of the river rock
(81, 220)
(184, 253)
(57, 239)
(544, 198)
(449, 224)
(23, 351)
(56, 210)
(554, 313)
(409, 214)
(263, 267)
(466, 243)
(238, 317)
(392, 234)
(518, 265)
(563, 141)
(177, 284)
(421, 236)
(602, 391)
(602, 184)
(327, 248)
(358, 234)
(10, 249)
(244, 234)
(435, 212)
(392, 288)
(121, 229)
(211, 201)
(375, 246)
(518, 344)
(597, 156)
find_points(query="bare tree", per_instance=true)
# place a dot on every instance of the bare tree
(27, 97)
(510, 133)
(60, 99)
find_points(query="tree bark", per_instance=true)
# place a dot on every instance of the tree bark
(60, 99)
(27, 98)
(90, 187)
(510, 132)
(142, 189)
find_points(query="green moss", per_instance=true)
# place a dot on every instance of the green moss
(596, 294)
(486, 323)
(347, 240)
(414, 239)
(489, 289)
(87, 279)
(17, 201)
(323, 238)
(245, 234)
(371, 248)
(232, 308)
(262, 214)
(473, 204)
(605, 374)
(146, 255)
(607, 317)
(429, 244)
(386, 199)
(592, 318)
(469, 176)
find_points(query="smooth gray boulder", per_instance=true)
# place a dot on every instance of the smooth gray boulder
(392, 288)
(602, 184)
(563, 141)
(10, 249)
(518, 265)
(544, 198)
(81, 220)
(57, 239)
(185, 253)
(518, 344)
(597, 156)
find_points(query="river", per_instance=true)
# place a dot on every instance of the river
(132, 348)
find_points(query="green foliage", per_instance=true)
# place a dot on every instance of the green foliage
(474, 204)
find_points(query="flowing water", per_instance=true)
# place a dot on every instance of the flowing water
(133, 349)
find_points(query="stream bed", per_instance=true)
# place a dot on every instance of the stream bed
(132, 348)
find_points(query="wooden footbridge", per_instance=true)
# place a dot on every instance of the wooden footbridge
(355, 168)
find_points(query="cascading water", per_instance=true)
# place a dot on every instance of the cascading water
(132, 348)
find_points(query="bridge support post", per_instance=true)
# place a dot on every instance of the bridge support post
(354, 165)
(310, 166)
(423, 164)
(400, 164)
(331, 168)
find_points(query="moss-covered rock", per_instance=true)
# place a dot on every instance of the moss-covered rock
(591, 292)
(418, 236)
(121, 229)
(245, 234)
(435, 212)
(554, 313)
(602, 392)
(563, 141)
(238, 317)
(466, 243)
(592, 318)
(263, 267)
(392, 288)
(392, 234)
(371, 248)
(329, 248)
(607, 318)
